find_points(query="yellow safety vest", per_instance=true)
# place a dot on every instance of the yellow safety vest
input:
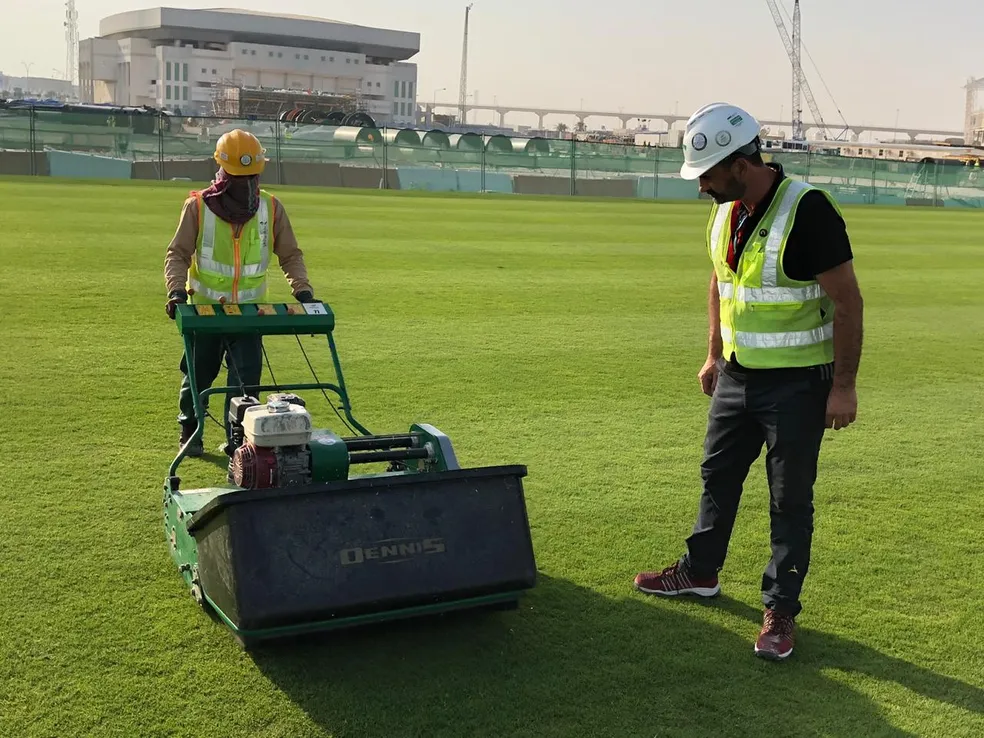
(767, 319)
(230, 269)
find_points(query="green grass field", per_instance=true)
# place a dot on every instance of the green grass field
(565, 335)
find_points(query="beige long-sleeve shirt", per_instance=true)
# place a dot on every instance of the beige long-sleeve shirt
(181, 250)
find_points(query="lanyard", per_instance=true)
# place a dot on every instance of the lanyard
(743, 216)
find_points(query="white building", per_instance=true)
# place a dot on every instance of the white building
(669, 139)
(175, 59)
(36, 86)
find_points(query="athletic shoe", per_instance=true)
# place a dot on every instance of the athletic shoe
(674, 580)
(775, 641)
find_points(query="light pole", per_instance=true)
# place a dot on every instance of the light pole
(434, 105)
(27, 80)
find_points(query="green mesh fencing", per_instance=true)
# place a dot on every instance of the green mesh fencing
(122, 143)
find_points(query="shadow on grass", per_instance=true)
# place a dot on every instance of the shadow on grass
(217, 459)
(572, 662)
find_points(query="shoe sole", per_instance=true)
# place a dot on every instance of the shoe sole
(772, 655)
(696, 591)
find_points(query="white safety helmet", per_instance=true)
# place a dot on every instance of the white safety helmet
(713, 133)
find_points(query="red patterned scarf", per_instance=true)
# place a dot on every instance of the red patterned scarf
(233, 199)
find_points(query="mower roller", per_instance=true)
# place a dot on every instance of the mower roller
(296, 541)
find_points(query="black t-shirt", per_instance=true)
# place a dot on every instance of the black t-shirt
(817, 242)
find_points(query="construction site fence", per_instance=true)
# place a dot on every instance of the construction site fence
(120, 145)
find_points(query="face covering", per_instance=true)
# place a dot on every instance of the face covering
(233, 199)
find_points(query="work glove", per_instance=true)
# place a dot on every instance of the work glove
(305, 296)
(173, 299)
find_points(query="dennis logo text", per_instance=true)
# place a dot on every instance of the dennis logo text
(391, 551)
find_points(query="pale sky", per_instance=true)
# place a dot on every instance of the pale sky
(876, 56)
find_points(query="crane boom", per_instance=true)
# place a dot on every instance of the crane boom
(463, 83)
(799, 78)
(799, 132)
(71, 41)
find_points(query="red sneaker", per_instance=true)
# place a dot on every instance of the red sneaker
(775, 641)
(674, 580)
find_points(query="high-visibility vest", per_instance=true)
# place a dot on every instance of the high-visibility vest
(227, 268)
(767, 319)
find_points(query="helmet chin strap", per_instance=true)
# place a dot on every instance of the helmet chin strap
(752, 147)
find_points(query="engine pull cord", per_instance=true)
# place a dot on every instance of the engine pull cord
(229, 362)
(273, 377)
(232, 361)
(318, 381)
(269, 367)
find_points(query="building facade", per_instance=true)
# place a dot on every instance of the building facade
(36, 87)
(181, 60)
(974, 114)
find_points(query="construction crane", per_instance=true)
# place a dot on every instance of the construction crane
(800, 85)
(463, 87)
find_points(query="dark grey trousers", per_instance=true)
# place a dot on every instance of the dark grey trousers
(244, 359)
(785, 411)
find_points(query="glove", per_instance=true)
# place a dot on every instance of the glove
(175, 297)
(305, 296)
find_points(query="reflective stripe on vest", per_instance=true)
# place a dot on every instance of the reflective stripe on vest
(206, 261)
(791, 339)
(717, 230)
(770, 269)
(217, 296)
(777, 295)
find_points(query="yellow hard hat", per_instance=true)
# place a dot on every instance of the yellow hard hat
(240, 153)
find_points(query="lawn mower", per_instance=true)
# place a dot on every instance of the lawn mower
(297, 540)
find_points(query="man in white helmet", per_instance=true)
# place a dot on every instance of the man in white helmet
(784, 346)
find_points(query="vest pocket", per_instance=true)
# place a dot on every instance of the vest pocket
(773, 307)
(251, 253)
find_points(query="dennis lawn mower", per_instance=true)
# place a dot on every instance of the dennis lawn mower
(304, 535)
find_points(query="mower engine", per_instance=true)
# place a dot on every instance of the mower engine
(271, 442)
(275, 445)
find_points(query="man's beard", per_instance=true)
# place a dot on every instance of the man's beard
(735, 190)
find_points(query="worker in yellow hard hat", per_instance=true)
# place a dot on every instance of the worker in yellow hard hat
(219, 254)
